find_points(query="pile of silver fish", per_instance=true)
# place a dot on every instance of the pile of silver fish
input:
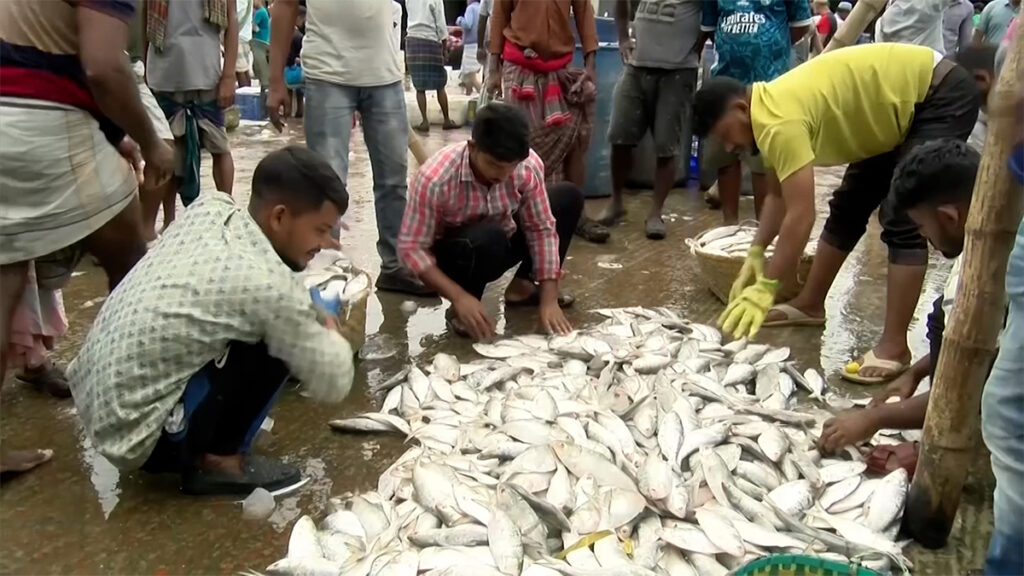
(735, 241)
(641, 446)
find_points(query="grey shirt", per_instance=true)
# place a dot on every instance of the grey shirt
(957, 25)
(665, 32)
(190, 59)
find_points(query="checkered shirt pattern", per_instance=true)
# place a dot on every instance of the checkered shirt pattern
(445, 194)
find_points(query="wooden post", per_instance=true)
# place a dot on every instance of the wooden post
(969, 345)
(855, 24)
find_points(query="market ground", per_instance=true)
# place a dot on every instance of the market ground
(77, 514)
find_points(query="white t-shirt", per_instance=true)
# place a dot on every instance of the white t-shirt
(243, 9)
(350, 43)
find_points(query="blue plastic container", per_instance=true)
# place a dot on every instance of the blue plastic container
(250, 105)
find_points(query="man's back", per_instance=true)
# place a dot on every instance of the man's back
(841, 107)
(752, 38)
(349, 43)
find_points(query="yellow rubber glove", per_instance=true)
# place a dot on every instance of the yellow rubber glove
(753, 268)
(744, 315)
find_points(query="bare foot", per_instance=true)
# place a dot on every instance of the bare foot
(449, 125)
(519, 289)
(422, 127)
(883, 352)
(18, 461)
(613, 213)
(228, 464)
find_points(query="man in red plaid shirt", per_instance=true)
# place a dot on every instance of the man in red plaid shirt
(478, 208)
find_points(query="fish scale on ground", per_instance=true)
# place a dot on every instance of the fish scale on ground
(641, 445)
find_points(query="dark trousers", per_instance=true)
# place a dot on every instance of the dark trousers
(477, 254)
(948, 111)
(225, 403)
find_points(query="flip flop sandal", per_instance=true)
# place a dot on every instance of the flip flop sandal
(613, 219)
(257, 472)
(894, 367)
(656, 229)
(591, 231)
(793, 317)
(565, 300)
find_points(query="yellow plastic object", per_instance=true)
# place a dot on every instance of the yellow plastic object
(852, 368)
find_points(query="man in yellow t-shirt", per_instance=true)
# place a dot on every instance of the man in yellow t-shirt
(864, 105)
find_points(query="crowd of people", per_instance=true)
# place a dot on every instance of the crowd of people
(106, 106)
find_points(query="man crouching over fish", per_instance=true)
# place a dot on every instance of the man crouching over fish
(189, 352)
(477, 209)
(933, 184)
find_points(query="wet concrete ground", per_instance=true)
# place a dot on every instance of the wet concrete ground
(77, 514)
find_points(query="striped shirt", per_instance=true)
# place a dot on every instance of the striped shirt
(445, 194)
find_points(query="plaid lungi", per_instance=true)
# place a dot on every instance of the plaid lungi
(425, 61)
(552, 141)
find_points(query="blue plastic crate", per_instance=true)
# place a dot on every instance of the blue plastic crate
(250, 105)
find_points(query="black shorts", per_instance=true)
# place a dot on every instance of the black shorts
(949, 110)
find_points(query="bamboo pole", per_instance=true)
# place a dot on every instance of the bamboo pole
(969, 345)
(855, 24)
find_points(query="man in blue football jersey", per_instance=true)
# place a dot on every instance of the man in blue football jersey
(753, 39)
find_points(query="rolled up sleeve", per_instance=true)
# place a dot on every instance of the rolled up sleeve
(419, 226)
(319, 357)
(537, 221)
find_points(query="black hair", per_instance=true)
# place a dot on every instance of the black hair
(978, 58)
(501, 131)
(299, 179)
(712, 100)
(935, 173)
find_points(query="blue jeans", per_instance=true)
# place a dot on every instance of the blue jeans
(329, 110)
(1002, 425)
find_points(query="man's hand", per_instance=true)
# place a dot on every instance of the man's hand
(753, 268)
(903, 386)
(226, 91)
(626, 47)
(493, 86)
(159, 157)
(130, 151)
(353, 329)
(278, 103)
(578, 88)
(847, 429)
(471, 313)
(553, 320)
(744, 315)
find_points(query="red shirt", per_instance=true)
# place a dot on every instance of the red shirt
(445, 194)
(825, 24)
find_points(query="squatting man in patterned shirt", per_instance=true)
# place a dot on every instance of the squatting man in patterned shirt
(189, 351)
(477, 209)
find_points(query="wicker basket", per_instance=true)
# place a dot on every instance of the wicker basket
(720, 271)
